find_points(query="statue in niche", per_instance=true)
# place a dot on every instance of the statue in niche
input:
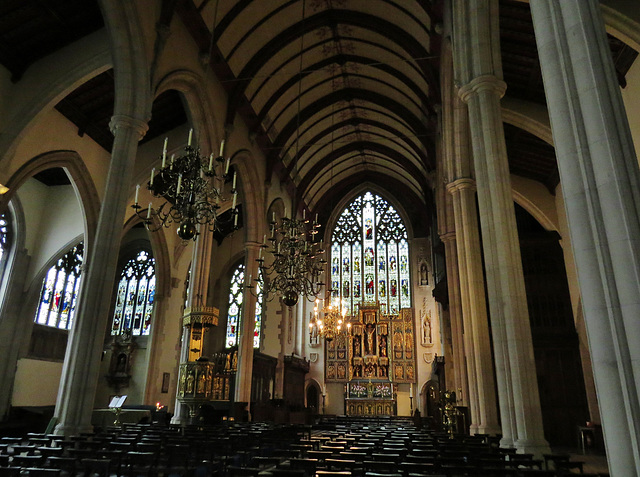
(424, 280)
(426, 327)
(370, 340)
(383, 346)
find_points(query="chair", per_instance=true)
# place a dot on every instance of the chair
(10, 471)
(68, 464)
(308, 465)
(41, 472)
(96, 466)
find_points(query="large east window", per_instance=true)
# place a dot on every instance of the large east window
(370, 256)
(236, 297)
(60, 288)
(135, 296)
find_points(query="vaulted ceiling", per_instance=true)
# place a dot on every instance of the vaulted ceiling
(335, 92)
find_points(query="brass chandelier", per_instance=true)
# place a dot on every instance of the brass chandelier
(333, 321)
(193, 188)
(297, 261)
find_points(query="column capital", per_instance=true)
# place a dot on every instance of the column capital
(252, 245)
(482, 83)
(448, 237)
(119, 121)
(461, 184)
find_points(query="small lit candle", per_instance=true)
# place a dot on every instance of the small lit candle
(226, 167)
(222, 148)
(410, 391)
(264, 239)
(172, 156)
(190, 136)
(153, 173)
(179, 184)
(137, 192)
(234, 181)
(260, 254)
(235, 220)
(211, 161)
(164, 150)
(273, 217)
(149, 211)
(234, 201)
(304, 214)
(250, 285)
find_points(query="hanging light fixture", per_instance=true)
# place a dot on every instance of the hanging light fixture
(296, 263)
(333, 320)
(193, 188)
(297, 258)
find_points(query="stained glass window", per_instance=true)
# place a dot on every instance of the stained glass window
(370, 256)
(257, 327)
(236, 296)
(4, 235)
(135, 296)
(59, 290)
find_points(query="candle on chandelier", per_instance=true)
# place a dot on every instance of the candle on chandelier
(410, 390)
(234, 181)
(164, 150)
(149, 211)
(222, 148)
(179, 184)
(190, 136)
(137, 192)
(211, 161)
(153, 173)
(235, 219)
(172, 156)
(235, 195)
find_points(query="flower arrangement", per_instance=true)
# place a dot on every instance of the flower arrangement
(357, 390)
(382, 390)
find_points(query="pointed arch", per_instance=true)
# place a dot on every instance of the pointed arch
(199, 109)
(81, 181)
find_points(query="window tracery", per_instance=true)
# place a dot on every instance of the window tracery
(236, 297)
(135, 296)
(370, 256)
(59, 291)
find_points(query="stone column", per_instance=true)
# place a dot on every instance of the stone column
(483, 405)
(198, 289)
(457, 174)
(478, 68)
(13, 328)
(84, 351)
(246, 328)
(601, 189)
(455, 314)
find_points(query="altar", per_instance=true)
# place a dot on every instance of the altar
(374, 355)
(370, 399)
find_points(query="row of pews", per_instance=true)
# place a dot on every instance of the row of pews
(338, 447)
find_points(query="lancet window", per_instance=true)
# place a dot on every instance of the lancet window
(370, 256)
(60, 288)
(236, 297)
(135, 296)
